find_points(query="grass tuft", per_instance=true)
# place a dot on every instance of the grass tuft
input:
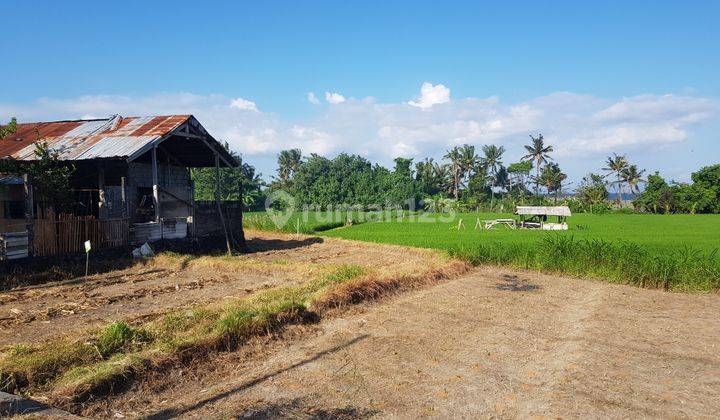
(119, 336)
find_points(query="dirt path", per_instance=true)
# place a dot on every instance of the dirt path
(36, 313)
(495, 343)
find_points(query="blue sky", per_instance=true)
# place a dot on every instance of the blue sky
(629, 77)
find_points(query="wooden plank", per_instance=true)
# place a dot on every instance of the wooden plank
(29, 205)
(123, 197)
(156, 188)
(102, 195)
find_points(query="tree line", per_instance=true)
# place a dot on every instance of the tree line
(469, 179)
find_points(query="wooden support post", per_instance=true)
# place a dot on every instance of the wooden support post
(192, 209)
(217, 201)
(156, 187)
(102, 197)
(241, 191)
(123, 197)
(29, 212)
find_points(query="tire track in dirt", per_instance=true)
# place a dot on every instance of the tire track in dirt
(548, 370)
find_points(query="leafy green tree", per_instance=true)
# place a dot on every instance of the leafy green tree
(9, 128)
(708, 177)
(539, 153)
(233, 181)
(518, 174)
(693, 198)
(552, 178)
(404, 188)
(593, 191)
(344, 180)
(657, 196)
(403, 167)
(49, 175)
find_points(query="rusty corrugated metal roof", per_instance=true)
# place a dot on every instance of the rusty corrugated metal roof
(10, 180)
(114, 137)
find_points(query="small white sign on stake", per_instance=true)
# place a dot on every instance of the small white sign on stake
(88, 247)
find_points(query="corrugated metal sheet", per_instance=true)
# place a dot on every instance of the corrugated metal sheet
(115, 137)
(10, 180)
(543, 210)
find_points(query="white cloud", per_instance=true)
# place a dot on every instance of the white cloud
(654, 107)
(312, 98)
(431, 95)
(241, 103)
(581, 128)
(334, 98)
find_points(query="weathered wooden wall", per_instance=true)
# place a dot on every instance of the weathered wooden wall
(207, 222)
(175, 190)
(13, 246)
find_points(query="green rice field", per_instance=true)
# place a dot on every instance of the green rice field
(653, 232)
(676, 252)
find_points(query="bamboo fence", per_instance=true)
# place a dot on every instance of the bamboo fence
(66, 234)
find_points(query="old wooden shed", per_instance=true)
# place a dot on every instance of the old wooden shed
(131, 182)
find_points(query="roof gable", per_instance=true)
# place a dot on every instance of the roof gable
(110, 138)
(88, 139)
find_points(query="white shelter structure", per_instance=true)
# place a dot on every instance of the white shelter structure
(536, 217)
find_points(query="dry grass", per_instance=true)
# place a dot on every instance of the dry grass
(376, 286)
(97, 363)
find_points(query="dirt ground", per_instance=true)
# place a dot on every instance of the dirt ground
(492, 343)
(495, 343)
(145, 291)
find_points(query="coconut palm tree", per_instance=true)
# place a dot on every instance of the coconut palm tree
(492, 162)
(469, 161)
(538, 153)
(633, 177)
(455, 157)
(615, 165)
(289, 162)
(443, 177)
(433, 177)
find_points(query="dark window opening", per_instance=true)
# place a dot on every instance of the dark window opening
(145, 210)
(14, 209)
